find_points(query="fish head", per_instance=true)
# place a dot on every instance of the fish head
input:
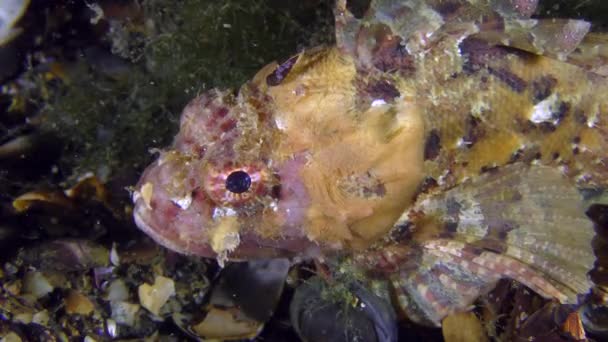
(294, 164)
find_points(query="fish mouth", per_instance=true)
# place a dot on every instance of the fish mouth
(169, 236)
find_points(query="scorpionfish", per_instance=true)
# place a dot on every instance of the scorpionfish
(443, 144)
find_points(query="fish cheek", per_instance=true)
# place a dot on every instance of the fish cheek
(361, 182)
(399, 164)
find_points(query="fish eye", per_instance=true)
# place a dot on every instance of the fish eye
(236, 185)
(238, 182)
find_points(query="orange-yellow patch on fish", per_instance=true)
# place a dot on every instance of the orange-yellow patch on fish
(317, 113)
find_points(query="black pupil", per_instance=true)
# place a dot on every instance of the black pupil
(238, 182)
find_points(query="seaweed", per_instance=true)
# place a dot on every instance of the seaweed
(114, 106)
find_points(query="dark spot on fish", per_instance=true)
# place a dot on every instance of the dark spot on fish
(402, 231)
(576, 140)
(432, 145)
(515, 156)
(168, 211)
(473, 131)
(221, 112)
(496, 236)
(496, 246)
(555, 155)
(576, 151)
(478, 53)
(228, 125)
(546, 127)
(529, 153)
(475, 250)
(516, 196)
(491, 23)
(513, 81)
(358, 7)
(525, 126)
(488, 169)
(275, 192)
(448, 9)
(502, 228)
(279, 74)
(451, 227)
(580, 117)
(453, 208)
(542, 88)
(389, 55)
(503, 235)
(378, 190)
(384, 90)
(199, 194)
(427, 184)
(451, 220)
(562, 111)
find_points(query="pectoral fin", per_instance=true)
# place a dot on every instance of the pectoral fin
(526, 223)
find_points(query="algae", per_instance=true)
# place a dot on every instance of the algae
(114, 107)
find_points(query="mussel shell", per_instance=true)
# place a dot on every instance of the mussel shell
(595, 320)
(316, 317)
(242, 299)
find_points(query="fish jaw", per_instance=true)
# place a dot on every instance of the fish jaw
(167, 210)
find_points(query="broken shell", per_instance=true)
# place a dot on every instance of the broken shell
(10, 12)
(66, 255)
(319, 313)
(153, 297)
(595, 320)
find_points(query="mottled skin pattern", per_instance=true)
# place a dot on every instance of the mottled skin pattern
(441, 144)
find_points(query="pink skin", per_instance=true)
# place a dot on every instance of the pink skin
(208, 130)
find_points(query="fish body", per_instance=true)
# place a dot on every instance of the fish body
(441, 144)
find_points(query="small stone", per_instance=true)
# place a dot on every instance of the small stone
(76, 303)
(153, 297)
(36, 284)
(11, 337)
(41, 318)
(23, 317)
(13, 287)
(124, 313)
(463, 327)
(117, 291)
